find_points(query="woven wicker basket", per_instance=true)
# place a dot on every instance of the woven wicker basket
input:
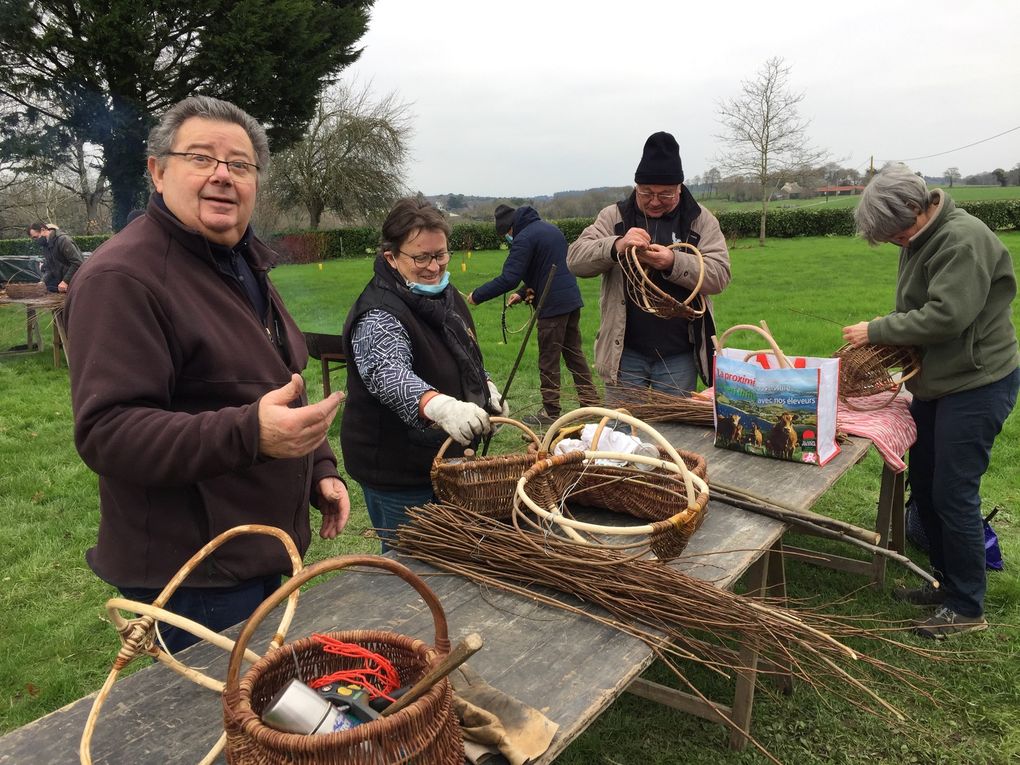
(487, 484)
(672, 495)
(19, 291)
(625, 489)
(870, 370)
(425, 731)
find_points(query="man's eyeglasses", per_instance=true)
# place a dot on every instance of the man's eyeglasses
(203, 164)
(662, 196)
(424, 258)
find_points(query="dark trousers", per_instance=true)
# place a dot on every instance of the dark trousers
(214, 607)
(388, 509)
(955, 434)
(561, 336)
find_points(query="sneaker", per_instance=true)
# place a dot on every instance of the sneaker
(926, 595)
(947, 623)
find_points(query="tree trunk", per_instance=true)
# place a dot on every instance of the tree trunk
(314, 215)
(125, 159)
(764, 211)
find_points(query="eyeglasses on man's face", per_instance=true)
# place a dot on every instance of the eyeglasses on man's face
(203, 164)
(422, 259)
(662, 196)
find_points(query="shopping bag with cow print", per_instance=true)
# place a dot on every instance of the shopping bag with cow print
(772, 405)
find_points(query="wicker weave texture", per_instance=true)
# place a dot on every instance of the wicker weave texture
(426, 731)
(18, 291)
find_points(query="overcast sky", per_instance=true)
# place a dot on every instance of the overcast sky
(528, 98)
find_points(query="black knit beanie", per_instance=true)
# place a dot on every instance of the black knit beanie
(660, 161)
(504, 219)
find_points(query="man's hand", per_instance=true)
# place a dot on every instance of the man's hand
(284, 432)
(62, 287)
(335, 507)
(514, 299)
(635, 237)
(856, 334)
(471, 299)
(657, 256)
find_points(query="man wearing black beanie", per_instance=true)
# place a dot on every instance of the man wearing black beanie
(636, 349)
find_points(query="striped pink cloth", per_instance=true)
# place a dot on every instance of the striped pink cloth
(891, 429)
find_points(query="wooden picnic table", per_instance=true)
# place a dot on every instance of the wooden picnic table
(568, 666)
(54, 304)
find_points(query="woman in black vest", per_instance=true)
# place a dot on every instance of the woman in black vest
(415, 372)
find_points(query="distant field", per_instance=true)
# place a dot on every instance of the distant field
(959, 193)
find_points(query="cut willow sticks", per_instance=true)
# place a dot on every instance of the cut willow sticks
(668, 610)
(655, 406)
(820, 525)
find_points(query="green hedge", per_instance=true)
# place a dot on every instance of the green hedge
(27, 246)
(312, 246)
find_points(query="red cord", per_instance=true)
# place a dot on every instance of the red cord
(377, 675)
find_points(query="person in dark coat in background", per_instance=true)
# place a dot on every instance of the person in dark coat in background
(535, 247)
(62, 257)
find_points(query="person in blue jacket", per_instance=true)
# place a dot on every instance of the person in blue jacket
(535, 247)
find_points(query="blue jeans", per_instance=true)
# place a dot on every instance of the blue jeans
(388, 509)
(214, 607)
(955, 434)
(676, 375)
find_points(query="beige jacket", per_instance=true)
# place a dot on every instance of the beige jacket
(592, 254)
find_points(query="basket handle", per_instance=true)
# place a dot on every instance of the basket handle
(442, 639)
(601, 426)
(763, 330)
(499, 421)
(635, 423)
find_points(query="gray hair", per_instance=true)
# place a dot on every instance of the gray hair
(163, 135)
(891, 203)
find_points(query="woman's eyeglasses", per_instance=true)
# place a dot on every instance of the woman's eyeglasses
(422, 259)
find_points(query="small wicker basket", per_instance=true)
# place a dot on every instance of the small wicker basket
(20, 291)
(425, 731)
(652, 299)
(870, 370)
(485, 485)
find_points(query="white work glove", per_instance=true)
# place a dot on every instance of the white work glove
(464, 421)
(494, 407)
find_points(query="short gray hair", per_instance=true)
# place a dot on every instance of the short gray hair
(891, 203)
(163, 135)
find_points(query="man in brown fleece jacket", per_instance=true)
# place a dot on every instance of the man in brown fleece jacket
(185, 383)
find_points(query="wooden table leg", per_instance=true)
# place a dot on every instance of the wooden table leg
(325, 378)
(32, 331)
(890, 521)
(767, 578)
(59, 338)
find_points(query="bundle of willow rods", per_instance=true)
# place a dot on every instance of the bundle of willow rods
(655, 406)
(659, 605)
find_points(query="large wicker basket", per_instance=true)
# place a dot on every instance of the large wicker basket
(870, 370)
(425, 731)
(625, 489)
(487, 484)
(672, 495)
(19, 291)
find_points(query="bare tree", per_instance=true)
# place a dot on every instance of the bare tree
(952, 174)
(351, 159)
(765, 137)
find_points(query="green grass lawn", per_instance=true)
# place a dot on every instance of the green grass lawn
(57, 644)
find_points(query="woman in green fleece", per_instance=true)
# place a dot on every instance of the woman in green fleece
(953, 293)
